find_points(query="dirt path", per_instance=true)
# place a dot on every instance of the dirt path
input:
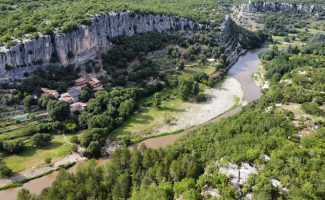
(33, 173)
(66, 139)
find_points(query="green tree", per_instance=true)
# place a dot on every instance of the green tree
(180, 65)
(5, 172)
(94, 149)
(122, 187)
(191, 194)
(163, 191)
(126, 108)
(70, 126)
(312, 109)
(74, 139)
(58, 110)
(184, 185)
(45, 98)
(24, 194)
(12, 146)
(40, 140)
(264, 190)
(187, 88)
(101, 121)
(86, 93)
(28, 102)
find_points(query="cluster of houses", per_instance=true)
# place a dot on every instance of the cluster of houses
(72, 95)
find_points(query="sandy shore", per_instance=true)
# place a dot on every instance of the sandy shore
(220, 99)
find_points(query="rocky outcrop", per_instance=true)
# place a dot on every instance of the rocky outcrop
(84, 42)
(231, 42)
(238, 175)
(275, 7)
(249, 15)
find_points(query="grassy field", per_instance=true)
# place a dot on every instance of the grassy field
(314, 28)
(193, 68)
(141, 124)
(32, 157)
(300, 114)
(283, 44)
(19, 132)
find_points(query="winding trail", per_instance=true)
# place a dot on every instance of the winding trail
(242, 71)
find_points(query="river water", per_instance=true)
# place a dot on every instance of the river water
(242, 71)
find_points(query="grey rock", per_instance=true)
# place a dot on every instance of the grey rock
(238, 175)
(84, 43)
(274, 7)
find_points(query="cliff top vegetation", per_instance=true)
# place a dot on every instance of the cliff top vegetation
(27, 18)
(18, 18)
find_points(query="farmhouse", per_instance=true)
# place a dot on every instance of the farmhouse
(52, 92)
(71, 96)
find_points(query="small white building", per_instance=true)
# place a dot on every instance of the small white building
(78, 106)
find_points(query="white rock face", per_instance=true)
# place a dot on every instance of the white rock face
(85, 42)
(274, 7)
(248, 196)
(276, 183)
(249, 14)
(212, 192)
(237, 175)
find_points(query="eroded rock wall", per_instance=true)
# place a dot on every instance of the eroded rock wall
(84, 43)
(248, 15)
(275, 7)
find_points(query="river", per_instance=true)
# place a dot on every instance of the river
(242, 71)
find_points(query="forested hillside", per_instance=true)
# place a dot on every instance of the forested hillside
(28, 17)
(18, 18)
(285, 150)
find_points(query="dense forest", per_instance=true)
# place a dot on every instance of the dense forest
(263, 135)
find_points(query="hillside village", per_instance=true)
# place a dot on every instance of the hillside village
(72, 95)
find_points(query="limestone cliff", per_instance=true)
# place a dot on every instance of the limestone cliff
(275, 7)
(248, 15)
(84, 43)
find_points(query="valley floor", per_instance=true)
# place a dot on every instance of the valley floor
(175, 115)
